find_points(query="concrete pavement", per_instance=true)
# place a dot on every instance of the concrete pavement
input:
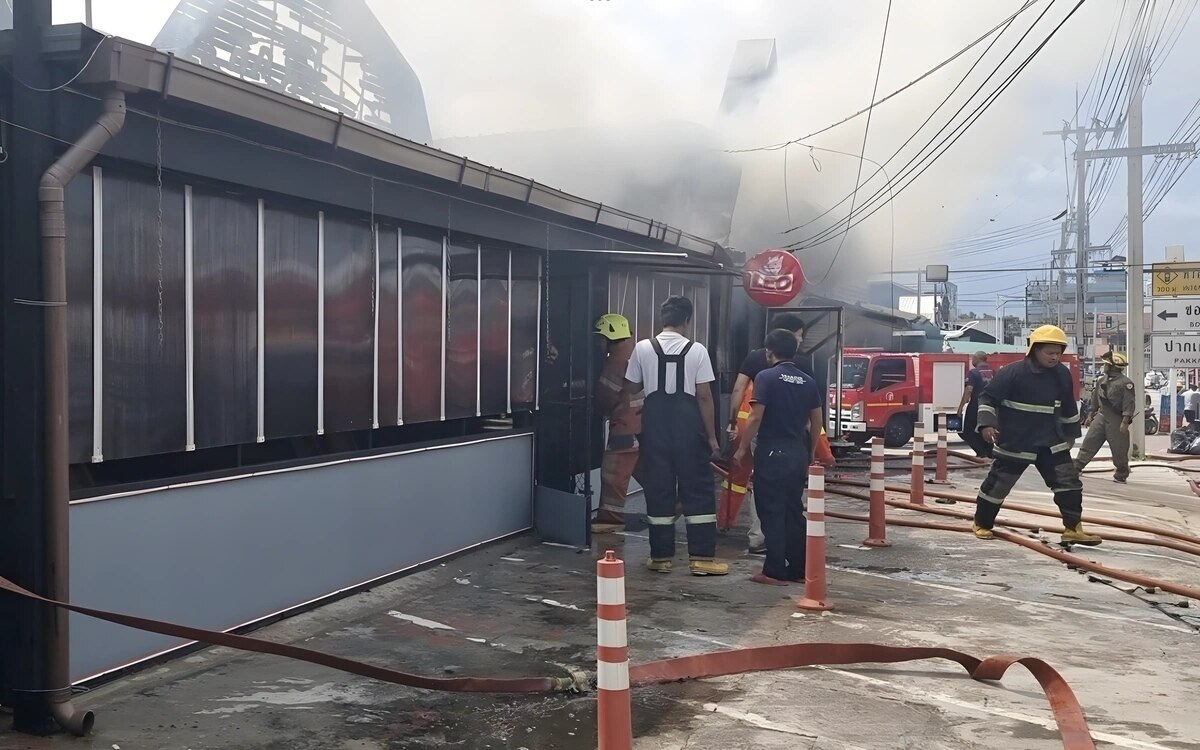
(523, 608)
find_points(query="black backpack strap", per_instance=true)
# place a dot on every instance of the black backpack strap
(662, 363)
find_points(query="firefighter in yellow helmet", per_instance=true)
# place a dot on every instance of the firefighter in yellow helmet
(1114, 405)
(624, 414)
(1028, 412)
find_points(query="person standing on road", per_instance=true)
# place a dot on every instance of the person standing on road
(1028, 413)
(1114, 406)
(785, 417)
(624, 413)
(736, 485)
(678, 440)
(977, 379)
(1191, 404)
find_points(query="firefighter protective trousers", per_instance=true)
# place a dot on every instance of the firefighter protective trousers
(674, 466)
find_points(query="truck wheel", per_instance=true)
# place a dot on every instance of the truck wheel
(898, 432)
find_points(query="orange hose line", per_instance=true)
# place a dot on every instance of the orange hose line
(1113, 523)
(1036, 546)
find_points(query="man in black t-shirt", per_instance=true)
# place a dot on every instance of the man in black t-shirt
(736, 486)
(977, 379)
(785, 418)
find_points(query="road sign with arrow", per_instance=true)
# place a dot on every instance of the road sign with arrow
(1175, 314)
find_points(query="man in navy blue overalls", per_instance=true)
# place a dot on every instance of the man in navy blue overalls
(678, 440)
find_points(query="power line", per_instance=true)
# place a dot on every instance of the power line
(866, 131)
(833, 228)
(949, 141)
(902, 89)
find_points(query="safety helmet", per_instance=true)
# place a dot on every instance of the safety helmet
(1046, 335)
(1116, 359)
(613, 327)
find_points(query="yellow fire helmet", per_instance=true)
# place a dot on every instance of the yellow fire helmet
(1116, 359)
(1046, 335)
(613, 327)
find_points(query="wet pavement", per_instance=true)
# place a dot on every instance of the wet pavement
(520, 608)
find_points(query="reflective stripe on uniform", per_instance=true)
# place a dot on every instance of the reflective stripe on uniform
(1020, 406)
(985, 408)
(1020, 455)
(1069, 420)
(706, 518)
(661, 520)
(735, 487)
(1060, 447)
(990, 499)
(743, 415)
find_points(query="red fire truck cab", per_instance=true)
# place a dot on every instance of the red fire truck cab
(885, 393)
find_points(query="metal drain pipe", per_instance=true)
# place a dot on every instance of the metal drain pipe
(56, 533)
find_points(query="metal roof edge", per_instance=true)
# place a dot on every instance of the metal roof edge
(139, 68)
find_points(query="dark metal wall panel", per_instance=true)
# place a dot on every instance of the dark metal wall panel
(217, 555)
(493, 332)
(290, 322)
(225, 305)
(145, 409)
(524, 345)
(462, 340)
(349, 324)
(389, 342)
(79, 314)
(422, 334)
(647, 309)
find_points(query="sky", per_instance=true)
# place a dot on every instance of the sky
(527, 65)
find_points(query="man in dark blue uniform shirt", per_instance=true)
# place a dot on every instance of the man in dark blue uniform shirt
(785, 416)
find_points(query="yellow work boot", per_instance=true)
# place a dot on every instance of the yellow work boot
(1078, 536)
(709, 568)
(980, 532)
(659, 566)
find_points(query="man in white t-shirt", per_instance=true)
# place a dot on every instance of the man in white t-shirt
(678, 440)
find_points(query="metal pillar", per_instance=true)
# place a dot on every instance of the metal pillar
(25, 628)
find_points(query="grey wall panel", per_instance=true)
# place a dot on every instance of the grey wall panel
(525, 293)
(145, 408)
(422, 279)
(389, 346)
(290, 322)
(647, 310)
(493, 333)
(349, 324)
(222, 554)
(225, 299)
(462, 330)
(79, 314)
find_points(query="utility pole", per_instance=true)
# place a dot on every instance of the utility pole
(1135, 279)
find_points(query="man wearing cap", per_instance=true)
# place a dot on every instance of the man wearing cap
(1113, 407)
(624, 413)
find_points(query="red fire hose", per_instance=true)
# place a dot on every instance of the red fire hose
(1068, 714)
(1036, 546)
(1190, 539)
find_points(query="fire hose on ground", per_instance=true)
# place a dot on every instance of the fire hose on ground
(1036, 546)
(1191, 543)
(1067, 712)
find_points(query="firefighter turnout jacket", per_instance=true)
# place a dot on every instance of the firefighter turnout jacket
(1032, 408)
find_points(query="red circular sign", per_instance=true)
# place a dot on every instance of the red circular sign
(773, 278)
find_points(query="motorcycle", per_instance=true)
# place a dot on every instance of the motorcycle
(1151, 420)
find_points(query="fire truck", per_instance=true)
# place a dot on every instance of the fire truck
(885, 393)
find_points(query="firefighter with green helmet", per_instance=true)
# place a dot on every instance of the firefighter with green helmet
(624, 413)
(1114, 405)
(1029, 414)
